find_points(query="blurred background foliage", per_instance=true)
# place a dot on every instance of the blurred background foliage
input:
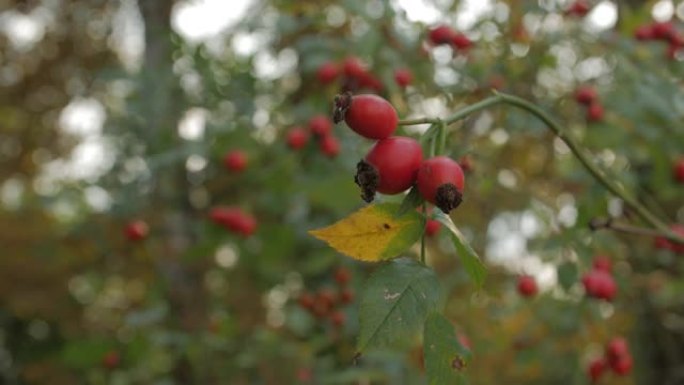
(114, 111)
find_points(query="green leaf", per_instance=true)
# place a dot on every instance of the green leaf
(410, 202)
(445, 357)
(395, 302)
(567, 274)
(471, 261)
(82, 354)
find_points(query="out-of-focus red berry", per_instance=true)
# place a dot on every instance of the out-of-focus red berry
(136, 230)
(327, 73)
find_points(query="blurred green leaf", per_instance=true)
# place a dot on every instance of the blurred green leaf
(469, 258)
(395, 302)
(446, 359)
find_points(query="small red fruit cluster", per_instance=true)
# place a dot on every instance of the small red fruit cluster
(617, 357)
(136, 230)
(579, 8)
(662, 31)
(588, 96)
(527, 286)
(599, 283)
(666, 244)
(325, 302)
(445, 35)
(234, 220)
(353, 73)
(322, 129)
(395, 163)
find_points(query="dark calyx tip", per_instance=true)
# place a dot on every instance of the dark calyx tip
(448, 197)
(367, 178)
(342, 104)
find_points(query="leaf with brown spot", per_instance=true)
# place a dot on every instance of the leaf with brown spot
(446, 359)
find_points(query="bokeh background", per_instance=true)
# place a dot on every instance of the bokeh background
(122, 110)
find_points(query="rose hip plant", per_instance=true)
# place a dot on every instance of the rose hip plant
(348, 193)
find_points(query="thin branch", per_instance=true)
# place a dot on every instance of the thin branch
(610, 224)
(642, 211)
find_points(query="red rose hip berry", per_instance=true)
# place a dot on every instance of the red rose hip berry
(403, 77)
(390, 167)
(461, 41)
(234, 219)
(667, 244)
(442, 34)
(432, 227)
(602, 262)
(599, 284)
(136, 230)
(327, 73)
(297, 138)
(586, 95)
(440, 182)
(320, 125)
(235, 161)
(329, 146)
(368, 115)
(306, 301)
(337, 318)
(596, 368)
(595, 112)
(347, 296)
(678, 171)
(342, 276)
(622, 366)
(354, 67)
(617, 348)
(578, 8)
(527, 286)
(111, 360)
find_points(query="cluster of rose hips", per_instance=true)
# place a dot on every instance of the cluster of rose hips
(587, 95)
(599, 283)
(354, 75)
(666, 244)
(662, 31)
(445, 35)
(527, 286)
(322, 129)
(325, 303)
(234, 219)
(617, 357)
(395, 163)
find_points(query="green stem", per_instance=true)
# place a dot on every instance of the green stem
(615, 189)
(414, 122)
(433, 143)
(441, 135)
(609, 224)
(588, 164)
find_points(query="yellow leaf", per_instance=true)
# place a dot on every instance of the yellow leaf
(374, 233)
